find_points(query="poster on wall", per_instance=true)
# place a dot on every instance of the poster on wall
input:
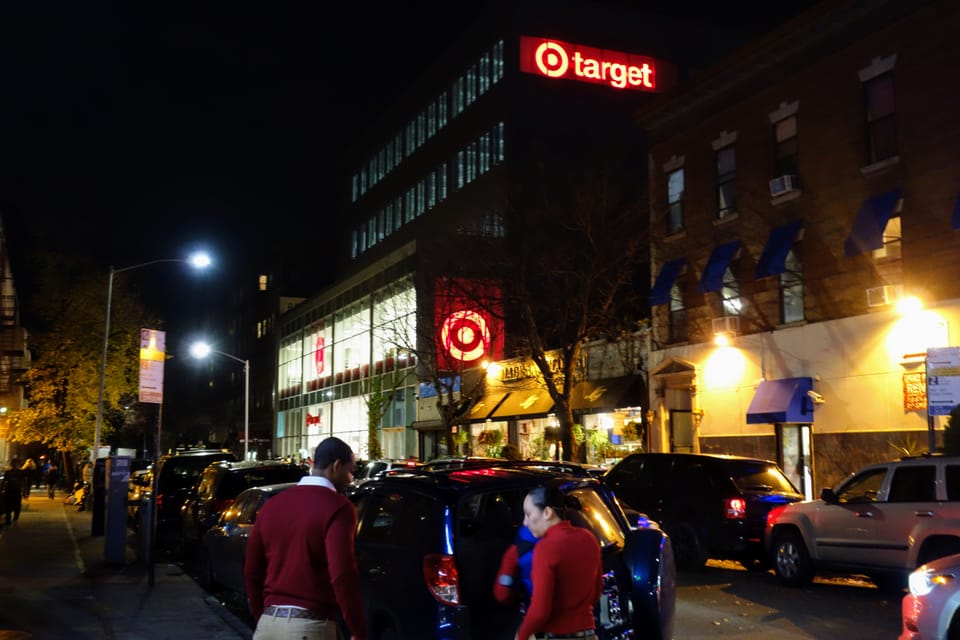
(468, 322)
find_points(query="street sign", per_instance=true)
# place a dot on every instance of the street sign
(943, 380)
(152, 348)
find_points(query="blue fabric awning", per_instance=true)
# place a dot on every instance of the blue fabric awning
(867, 232)
(955, 221)
(660, 293)
(783, 400)
(712, 278)
(773, 259)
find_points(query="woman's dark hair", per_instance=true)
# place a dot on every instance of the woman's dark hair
(549, 495)
(330, 450)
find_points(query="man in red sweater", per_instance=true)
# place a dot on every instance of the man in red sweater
(301, 571)
(567, 570)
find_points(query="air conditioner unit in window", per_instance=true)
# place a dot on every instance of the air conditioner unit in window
(884, 295)
(783, 185)
(729, 325)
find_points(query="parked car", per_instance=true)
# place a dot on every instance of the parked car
(372, 468)
(438, 536)
(712, 506)
(931, 608)
(177, 473)
(219, 485)
(223, 546)
(884, 521)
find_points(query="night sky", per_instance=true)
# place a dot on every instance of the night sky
(133, 131)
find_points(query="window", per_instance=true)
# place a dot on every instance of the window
(726, 182)
(913, 484)
(881, 118)
(262, 283)
(678, 316)
(730, 294)
(791, 289)
(863, 487)
(675, 201)
(786, 144)
(892, 240)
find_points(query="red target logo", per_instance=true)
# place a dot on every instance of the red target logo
(465, 335)
(318, 355)
(551, 59)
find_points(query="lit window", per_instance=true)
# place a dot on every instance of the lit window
(726, 182)
(263, 283)
(730, 294)
(678, 315)
(791, 289)
(892, 241)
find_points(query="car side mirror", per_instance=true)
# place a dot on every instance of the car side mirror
(828, 496)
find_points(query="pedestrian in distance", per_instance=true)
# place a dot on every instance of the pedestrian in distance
(53, 477)
(567, 571)
(29, 468)
(12, 489)
(301, 570)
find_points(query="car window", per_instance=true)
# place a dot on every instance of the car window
(594, 514)
(952, 476)
(762, 477)
(397, 519)
(863, 487)
(205, 489)
(248, 507)
(913, 483)
(495, 514)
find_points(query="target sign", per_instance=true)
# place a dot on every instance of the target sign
(465, 335)
(318, 355)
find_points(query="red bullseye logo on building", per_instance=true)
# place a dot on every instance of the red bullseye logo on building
(465, 335)
(318, 355)
(552, 60)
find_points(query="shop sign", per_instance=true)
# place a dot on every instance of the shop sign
(943, 380)
(914, 390)
(556, 59)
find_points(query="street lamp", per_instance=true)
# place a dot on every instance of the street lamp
(201, 350)
(198, 260)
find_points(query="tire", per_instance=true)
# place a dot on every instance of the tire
(688, 549)
(791, 561)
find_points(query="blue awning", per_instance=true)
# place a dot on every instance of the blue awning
(712, 278)
(955, 221)
(783, 400)
(773, 258)
(660, 293)
(867, 232)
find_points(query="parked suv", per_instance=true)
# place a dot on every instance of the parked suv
(883, 521)
(712, 506)
(178, 472)
(438, 536)
(220, 483)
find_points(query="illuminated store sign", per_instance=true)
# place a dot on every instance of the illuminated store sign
(557, 59)
(467, 322)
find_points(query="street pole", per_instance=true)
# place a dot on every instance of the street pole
(152, 530)
(246, 409)
(103, 368)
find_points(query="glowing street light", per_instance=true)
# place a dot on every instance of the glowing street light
(198, 260)
(201, 350)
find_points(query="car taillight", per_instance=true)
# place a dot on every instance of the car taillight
(159, 500)
(736, 509)
(440, 574)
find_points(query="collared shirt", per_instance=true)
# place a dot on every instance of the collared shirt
(317, 481)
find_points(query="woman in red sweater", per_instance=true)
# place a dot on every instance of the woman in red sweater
(567, 570)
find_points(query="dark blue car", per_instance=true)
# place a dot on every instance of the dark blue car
(429, 545)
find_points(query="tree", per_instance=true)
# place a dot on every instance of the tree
(62, 384)
(575, 247)
(951, 433)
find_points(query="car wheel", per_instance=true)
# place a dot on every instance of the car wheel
(938, 549)
(688, 550)
(953, 633)
(791, 560)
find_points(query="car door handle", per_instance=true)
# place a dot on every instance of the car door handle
(375, 572)
(864, 514)
(923, 514)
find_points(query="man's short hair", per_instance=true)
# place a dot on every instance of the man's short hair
(329, 450)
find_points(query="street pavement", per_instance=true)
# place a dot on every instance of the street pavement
(55, 585)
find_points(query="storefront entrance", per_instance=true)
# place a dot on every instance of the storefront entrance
(795, 455)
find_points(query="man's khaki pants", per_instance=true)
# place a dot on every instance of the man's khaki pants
(283, 628)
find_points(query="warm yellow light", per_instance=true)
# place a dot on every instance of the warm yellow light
(909, 305)
(493, 370)
(724, 368)
(721, 340)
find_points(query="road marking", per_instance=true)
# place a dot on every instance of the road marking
(73, 539)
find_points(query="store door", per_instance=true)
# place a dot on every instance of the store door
(795, 455)
(681, 431)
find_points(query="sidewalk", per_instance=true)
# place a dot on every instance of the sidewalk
(54, 585)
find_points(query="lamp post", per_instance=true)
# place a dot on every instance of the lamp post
(198, 260)
(202, 350)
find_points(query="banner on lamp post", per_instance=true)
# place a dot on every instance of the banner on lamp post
(152, 355)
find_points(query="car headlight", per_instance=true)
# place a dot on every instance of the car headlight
(923, 581)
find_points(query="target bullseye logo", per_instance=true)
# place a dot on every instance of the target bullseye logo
(552, 60)
(318, 355)
(465, 335)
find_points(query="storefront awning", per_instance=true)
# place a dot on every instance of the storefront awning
(867, 232)
(481, 409)
(773, 258)
(596, 396)
(427, 425)
(660, 293)
(526, 402)
(783, 400)
(955, 221)
(712, 279)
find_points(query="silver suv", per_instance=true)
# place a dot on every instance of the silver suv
(883, 521)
